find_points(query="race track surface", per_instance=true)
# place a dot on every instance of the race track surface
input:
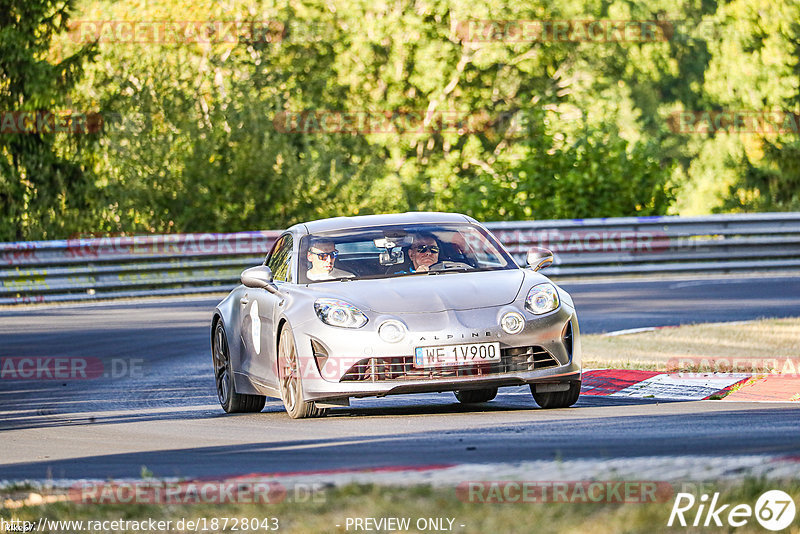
(158, 408)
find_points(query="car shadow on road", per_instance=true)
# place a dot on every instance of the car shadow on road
(57, 407)
(500, 404)
(53, 404)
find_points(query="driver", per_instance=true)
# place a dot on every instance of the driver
(423, 253)
(322, 253)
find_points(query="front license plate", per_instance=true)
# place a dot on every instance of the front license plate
(473, 353)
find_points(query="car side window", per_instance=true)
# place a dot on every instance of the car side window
(280, 260)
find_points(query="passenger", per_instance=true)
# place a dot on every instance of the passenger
(322, 254)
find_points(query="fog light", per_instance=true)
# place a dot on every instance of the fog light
(512, 323)
(392, 331)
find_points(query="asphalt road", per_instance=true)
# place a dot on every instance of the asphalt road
(158, 408)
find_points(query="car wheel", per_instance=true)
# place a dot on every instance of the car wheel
(231, 401)
(474, 396)
(291, 384)
(558, 399)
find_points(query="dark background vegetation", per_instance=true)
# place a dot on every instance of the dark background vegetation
(564, 129)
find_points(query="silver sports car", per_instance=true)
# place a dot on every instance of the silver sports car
(386, 304)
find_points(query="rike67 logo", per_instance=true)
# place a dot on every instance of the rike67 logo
(774, 510)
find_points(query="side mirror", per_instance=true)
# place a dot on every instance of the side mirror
(258, 277)
(539, 258)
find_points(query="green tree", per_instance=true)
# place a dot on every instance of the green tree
(755, 49)
(773, 184)
(769, 173)
(554, 128)
(43, 187)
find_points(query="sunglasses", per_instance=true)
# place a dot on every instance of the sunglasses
(422, 249)
(325, 255)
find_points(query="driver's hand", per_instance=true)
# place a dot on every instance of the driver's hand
(422, 268)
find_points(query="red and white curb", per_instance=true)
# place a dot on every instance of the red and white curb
(650, 384)
(775, 387)
(633, 383)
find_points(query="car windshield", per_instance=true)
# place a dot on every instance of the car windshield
(399, 250)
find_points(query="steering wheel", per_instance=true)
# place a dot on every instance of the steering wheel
(447, 265)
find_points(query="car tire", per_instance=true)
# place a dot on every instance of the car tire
(558, 399)
(475, 396)
(231, 401)
(290, 382)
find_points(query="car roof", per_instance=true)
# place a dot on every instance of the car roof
(366, 221)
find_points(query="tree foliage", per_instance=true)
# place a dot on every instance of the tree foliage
(43, 187)
(194, 135)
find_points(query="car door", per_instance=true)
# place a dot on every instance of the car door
(259, 313)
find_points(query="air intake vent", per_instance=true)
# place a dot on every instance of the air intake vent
(320, 354)
(567, 336)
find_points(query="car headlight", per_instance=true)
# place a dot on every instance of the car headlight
(339, 313)
(542, 298)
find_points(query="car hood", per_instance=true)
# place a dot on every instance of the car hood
(428, 293)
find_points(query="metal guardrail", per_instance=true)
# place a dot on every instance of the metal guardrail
(124, 266)
(114, 267)
(642, 245)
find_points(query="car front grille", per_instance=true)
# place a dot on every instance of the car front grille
(517, 359)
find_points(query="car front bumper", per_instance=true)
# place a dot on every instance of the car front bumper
(329, 355)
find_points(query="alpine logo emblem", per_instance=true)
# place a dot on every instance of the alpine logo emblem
(445, 337)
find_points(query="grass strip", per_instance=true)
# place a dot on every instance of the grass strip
(762, 346)
(330, 507)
